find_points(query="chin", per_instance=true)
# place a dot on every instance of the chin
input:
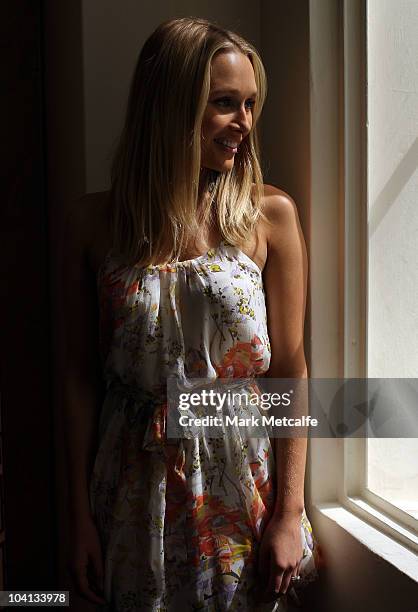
(222, 167)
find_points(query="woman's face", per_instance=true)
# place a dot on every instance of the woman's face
(228, 116)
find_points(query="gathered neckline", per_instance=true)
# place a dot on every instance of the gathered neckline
(187, 262)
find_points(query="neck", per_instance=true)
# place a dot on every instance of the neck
(207, 177)
(206, 216)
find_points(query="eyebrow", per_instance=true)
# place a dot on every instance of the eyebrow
(234, 92)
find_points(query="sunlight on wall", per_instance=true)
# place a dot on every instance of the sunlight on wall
(393, 230)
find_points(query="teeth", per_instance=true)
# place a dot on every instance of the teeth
(228, 143)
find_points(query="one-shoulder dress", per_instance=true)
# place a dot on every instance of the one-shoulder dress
(180, 525)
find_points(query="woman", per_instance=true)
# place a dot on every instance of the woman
(184, 248)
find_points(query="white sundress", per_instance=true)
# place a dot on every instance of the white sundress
(180, 524)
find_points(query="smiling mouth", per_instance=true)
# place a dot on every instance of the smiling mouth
(231, 147)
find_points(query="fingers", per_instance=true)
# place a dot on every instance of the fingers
(263, 577)
(287, 577)
(275, 579)
(279, 580)
(274, 575)
(79, 574)
(269, 579)
(286, 580)
(97, 573)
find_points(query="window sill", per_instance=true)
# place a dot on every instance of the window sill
(398, 555)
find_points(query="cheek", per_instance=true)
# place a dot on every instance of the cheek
(213, 124)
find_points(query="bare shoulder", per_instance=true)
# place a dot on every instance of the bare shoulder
(282, 226)
(276, 206)
(80, 302)
(279, 209)
(284, 236)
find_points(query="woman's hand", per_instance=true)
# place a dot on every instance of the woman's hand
(280, 554)
(85, 561)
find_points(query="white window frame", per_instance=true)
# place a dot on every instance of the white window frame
(354, 494)
(338, 342)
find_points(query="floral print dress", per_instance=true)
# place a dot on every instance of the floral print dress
(180, 524)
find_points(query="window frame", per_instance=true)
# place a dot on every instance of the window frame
(355, 494)
(340, 350)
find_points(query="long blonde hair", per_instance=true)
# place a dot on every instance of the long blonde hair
(156, 168)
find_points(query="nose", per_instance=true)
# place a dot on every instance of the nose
(243, 119)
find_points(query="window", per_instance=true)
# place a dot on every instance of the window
(392, 48)
(383, 472)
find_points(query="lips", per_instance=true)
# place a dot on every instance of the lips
(229, 145)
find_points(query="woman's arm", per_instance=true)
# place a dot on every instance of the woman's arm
(82, 399)
(285, 283)
(82, 376)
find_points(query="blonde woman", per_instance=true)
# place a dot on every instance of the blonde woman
(200, 271)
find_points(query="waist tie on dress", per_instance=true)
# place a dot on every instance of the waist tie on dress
(147, 413)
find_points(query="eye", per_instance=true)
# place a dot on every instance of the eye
(250, 104)
(224, 101)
